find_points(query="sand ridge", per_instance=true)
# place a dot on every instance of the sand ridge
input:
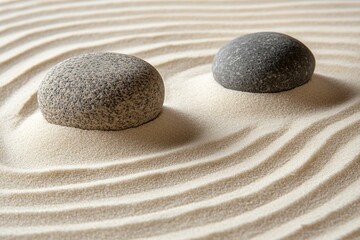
(217, 163)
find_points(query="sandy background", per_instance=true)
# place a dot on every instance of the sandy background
(217, 163)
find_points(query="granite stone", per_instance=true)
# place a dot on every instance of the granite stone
(101, 91)
(263, 62)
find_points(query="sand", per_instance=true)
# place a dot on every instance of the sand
(217, 163)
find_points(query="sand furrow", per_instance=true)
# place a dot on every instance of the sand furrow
(332, 220)
(305, 172)
(179, 12)
(138, 165)
(238, 204)
(33, 12)
(308, 202)
(30, 35)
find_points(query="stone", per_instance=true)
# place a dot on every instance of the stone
(101, 91)
(263, 62)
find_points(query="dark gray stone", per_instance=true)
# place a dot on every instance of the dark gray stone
(101, 91)
(263, 62)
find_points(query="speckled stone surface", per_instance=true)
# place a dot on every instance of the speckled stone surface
(101, 91)
(263, 62)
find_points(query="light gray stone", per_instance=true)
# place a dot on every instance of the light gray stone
(263, 62)
(101, 91)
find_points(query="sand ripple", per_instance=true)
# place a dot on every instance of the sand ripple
(216, 164)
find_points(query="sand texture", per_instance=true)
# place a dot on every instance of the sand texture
(216, 163)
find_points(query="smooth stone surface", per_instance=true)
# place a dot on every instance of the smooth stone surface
(101, 91)
(263, 62)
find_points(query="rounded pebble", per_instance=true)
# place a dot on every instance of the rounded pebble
(263, 62)
(101, 91)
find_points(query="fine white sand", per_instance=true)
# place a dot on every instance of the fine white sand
(217, 163)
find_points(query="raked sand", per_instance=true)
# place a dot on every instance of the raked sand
(217, 163)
